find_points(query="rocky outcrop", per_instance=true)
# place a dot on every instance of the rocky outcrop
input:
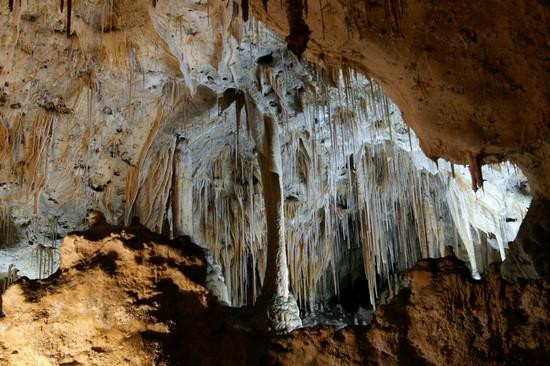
(444, 318)
(448, 318)
(119, 294)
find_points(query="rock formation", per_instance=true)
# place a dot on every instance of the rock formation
(458, 72)
(151, 124)
(302, 146)
(279, 304)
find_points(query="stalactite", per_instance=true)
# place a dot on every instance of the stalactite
(475, 164)
(244, 10)
(69, 15)
(231, 224)
(394, 9)
(389, 211)
(8, 229)
(137, 174)
(37, 151)
(299, 31)
(459, 206)
(45, 258)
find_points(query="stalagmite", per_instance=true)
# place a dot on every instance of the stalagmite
(282, 313)
(182, 190)
(269, 158)
(6, 279)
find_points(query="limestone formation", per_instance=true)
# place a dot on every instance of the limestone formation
(182, 190)
(332, 160)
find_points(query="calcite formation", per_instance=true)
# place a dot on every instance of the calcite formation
(470, 79)
(301, 145)
(180, 115)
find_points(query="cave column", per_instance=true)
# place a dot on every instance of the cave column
(277, 310)
(182, 190)
(276, 282)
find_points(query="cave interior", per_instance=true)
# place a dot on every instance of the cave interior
(236, 182)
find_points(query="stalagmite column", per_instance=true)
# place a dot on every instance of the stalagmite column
(269, 157)
(182, 190)
(281, 310)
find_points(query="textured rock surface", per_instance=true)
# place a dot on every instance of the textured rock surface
(136, 109)
(127, 296)
(445, 318)
(114, 289)
(448, 318)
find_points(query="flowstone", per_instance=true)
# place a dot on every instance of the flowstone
(277, 315)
